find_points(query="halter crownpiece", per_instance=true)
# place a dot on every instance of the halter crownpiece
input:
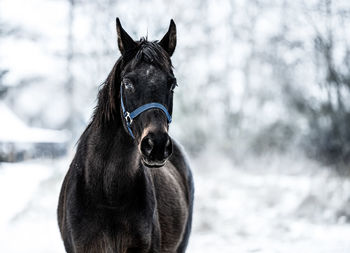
(129, 116)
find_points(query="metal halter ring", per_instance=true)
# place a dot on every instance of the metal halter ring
(128, 118)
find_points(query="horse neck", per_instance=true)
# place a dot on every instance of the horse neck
(114, 164)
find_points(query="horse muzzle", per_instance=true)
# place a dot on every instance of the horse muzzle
(156, 149)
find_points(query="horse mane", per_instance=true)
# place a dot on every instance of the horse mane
(107, 108)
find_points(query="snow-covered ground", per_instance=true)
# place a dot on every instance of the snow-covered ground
(265, 205)
(29, 195)
(268, 205)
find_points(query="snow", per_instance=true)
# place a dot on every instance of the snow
(254, 206)
(269, 208)
(29, 194)
(268, 204)
(41, 21)
(12, 129)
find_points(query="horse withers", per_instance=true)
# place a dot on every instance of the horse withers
(129, 187)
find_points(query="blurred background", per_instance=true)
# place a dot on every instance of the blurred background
(262, 108)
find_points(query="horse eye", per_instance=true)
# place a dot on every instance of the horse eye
(127, 84)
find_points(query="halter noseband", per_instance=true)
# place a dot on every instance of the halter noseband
(129, 116)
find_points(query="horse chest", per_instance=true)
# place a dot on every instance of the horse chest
(116, 233)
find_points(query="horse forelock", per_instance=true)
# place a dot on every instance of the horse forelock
(150, 52)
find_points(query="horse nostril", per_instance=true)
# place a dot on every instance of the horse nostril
(156, 147)
(147, 145)
(168, 150)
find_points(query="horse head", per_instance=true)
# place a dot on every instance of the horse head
(147, 84)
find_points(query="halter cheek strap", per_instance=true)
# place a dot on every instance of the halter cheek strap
(129, 116)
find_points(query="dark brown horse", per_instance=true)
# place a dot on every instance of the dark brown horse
(129, 187)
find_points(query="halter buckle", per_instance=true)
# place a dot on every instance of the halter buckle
(128, 118)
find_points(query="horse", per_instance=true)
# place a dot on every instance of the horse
(129, 187)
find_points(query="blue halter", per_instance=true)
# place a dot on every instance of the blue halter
(129, 116)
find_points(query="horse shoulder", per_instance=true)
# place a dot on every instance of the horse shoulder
(71, 203)
(63, 210)
(174, 202)
(180, 161)
(179, 158)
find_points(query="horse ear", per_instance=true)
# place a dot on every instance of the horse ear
(169, 40)
(125, 42)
